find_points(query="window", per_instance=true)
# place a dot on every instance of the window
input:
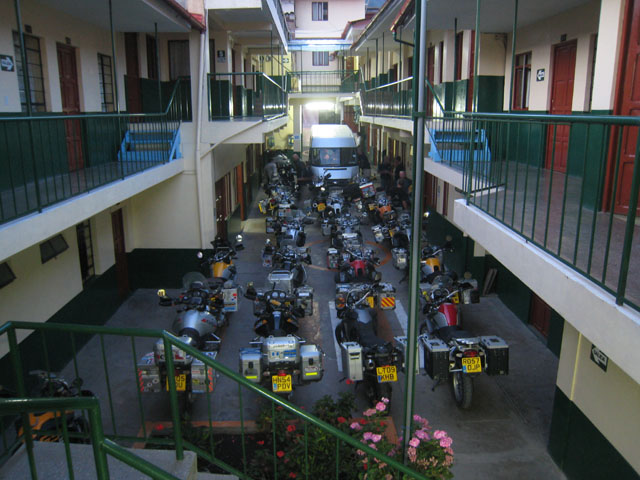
(85, 251)
(521, 81)
(319, 11)
(35, 73)
(106, 83)
(6, 275)
(320, 59)
(52, 248)
(179, 59)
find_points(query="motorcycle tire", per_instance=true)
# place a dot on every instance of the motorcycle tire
(462, 387)
(340, 333)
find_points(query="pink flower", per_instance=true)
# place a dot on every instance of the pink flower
(385, 400)
(439, 434)
(446, 442)
(367, 435)
(416, 418)
(375, 438)
(373, 445)
(422, 435)
(355, 426)
(381, 406)
(360, 453)
(413, 455)
(369, 412)
(414, 442)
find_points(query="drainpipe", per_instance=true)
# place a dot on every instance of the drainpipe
(513, 55)
(419, 113)
(155, 26)
(113, 63)
(203, 39)
(399, 40)
(474, 99)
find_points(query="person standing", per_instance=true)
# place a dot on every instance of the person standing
(398, 168)
(363, 162)
(386, 178)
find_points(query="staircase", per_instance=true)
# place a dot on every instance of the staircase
(453, 146)
(51, 463)
(150, 142)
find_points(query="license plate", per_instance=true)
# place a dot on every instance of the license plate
(181, 382)
(471, 365)
(455, 298)
(321, 207)
(281, 383)
(387, 374)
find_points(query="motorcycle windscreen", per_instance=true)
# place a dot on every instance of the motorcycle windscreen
(193, 277)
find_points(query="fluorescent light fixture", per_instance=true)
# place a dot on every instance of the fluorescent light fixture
(319, 106)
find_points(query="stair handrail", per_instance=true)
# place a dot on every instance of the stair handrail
(101, 445)
(171, 340)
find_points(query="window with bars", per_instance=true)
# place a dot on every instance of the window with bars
(35, 72)
(521, 81)
(319, 11)
(320, 59)
(52, 248)
(106, 83)
(85, 251)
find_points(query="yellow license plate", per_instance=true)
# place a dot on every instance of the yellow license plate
(455, 298)
(471, 365)
(281, 383)
(371, 302)
(387, 374)
(181, 382)
(321, 207)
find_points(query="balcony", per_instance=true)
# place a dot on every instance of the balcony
(329, 82)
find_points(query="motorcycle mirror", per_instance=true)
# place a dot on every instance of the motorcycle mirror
(239, 245)
(162, 293)
(425, 215)
(200, 255)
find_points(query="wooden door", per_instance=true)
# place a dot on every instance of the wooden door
(221, 208)
(69, 92)
(563, 71)
(132, 79)
(472, 53)
(119, 248)
(240, 191)
(431, 63)
(539, 315)
(350, 64)
(628, 104)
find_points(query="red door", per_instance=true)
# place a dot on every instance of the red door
(627, 103)
(132, 79)
(564, 67)
(70, 104)
(240, 191)
(122, 269)
(472, 53)
(539, 315)
(221, 207)
(431, 62)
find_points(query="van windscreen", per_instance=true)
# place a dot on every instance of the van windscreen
(333, 157)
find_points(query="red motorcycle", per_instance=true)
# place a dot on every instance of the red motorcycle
(358, 265)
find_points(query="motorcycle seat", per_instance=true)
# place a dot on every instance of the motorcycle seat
(449, 333)
(367, 336)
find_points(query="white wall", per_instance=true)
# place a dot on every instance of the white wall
(577, 24)
(339, 13)
(54, 27)
(609, 399)
(492, 54)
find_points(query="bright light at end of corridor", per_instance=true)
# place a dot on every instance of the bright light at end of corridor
(320, 106)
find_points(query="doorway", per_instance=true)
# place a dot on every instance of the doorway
(70, 94)
(120, 251)
(564, 67)
(221, 207)
(132, 78)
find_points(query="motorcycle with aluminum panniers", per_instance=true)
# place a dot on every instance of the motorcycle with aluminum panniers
(198, 320)
(450, 352)
(367, 359)
(279, 359)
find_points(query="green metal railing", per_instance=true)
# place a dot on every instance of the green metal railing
(334, 81)
(46, 159)
(123, 430)
(569, 184)
(246, 95)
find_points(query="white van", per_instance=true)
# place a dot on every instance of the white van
(333, 150)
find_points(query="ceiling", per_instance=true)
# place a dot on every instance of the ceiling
(128, 15)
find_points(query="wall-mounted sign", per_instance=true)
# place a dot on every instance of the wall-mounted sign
(285, 60)
(6, 63)
(221, 55)
(540, 75)
(599, 358)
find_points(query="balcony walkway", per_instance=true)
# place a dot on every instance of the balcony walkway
(22, 200)
(545, 208)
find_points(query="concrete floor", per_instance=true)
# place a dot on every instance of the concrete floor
(502, 436)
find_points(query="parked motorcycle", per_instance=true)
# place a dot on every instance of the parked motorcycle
(366, 358)
(358, 265)
(198, 320)
(279, 359)
(47, 426)
(219, 264)
(451, 352)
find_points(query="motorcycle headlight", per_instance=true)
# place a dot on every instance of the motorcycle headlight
(370, 363)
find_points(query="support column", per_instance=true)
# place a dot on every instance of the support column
(513, 54)
(297, 128)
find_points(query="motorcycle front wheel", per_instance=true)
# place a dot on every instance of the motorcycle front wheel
(462, 386)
